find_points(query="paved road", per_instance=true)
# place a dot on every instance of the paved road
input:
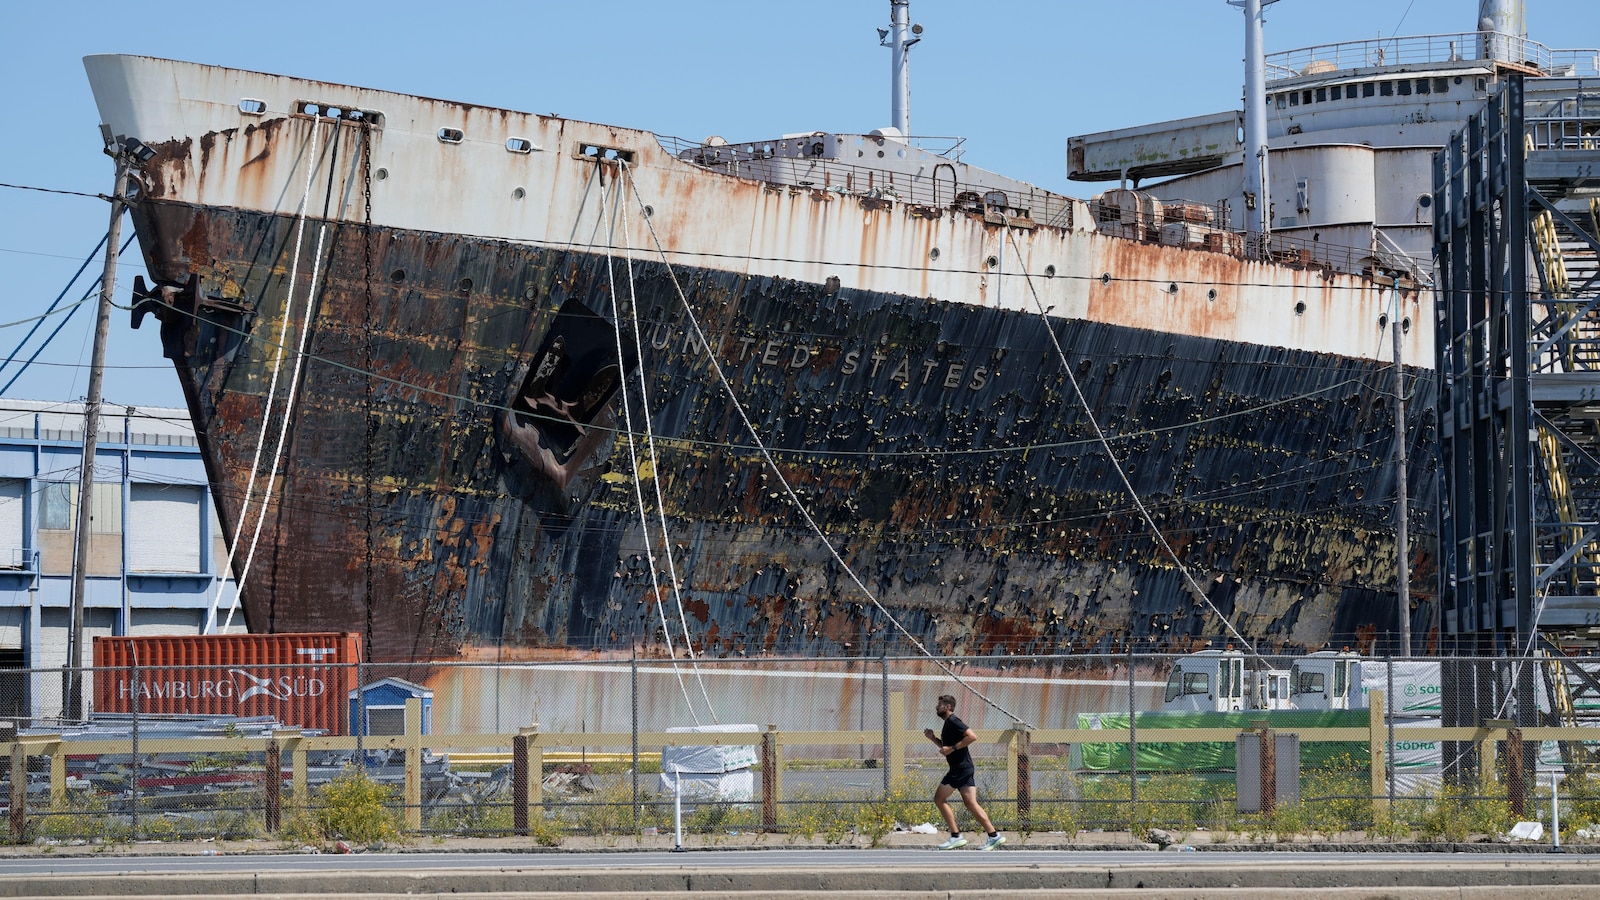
(837, 859)
(812, 874)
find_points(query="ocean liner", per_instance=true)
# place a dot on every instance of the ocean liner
(473, 381)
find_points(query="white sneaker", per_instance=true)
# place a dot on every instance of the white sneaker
(993, 842)
(952, 844)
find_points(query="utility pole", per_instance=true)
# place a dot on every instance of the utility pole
(1402, 550)
(91, 433)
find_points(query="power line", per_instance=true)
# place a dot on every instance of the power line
(45, 190)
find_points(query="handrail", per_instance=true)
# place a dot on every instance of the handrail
(760, 161)
(1432, 48)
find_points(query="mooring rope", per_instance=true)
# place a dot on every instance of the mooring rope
(1105, 445)
(794, 499)
(294, 377)
(655, 467)
(272, 390)
(633, 460)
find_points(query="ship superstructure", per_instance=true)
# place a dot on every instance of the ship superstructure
(1352, 127)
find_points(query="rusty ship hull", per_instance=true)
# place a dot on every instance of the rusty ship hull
(455, 479)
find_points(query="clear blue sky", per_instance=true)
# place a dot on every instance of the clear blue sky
(1016, 77)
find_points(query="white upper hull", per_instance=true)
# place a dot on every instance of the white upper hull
(555, 196)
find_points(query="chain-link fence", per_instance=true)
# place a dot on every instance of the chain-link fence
(820, 748)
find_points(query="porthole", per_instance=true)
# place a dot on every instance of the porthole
(1211, 294)
(397, 276)
(519, 193)
(520, 145)
(1105, 278)
(451, 135)
(1050, 271)
(1172, 288)
(1300, 308)
(464, 284)
(252, 107)
(933, 254)
(1383, 321)
(381, 174)
(992, 262)
(649, 211)
(1405, 325)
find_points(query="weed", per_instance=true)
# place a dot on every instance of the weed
(1175, 802)
(1456, 813)
(1335, 796)
(545, 830)
(876, 818)
(81, 815)
(352, 806)
(1054, 798)
(478, 819)
(1580, 796)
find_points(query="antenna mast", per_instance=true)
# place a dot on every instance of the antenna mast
(900, 37)
(1257, 192)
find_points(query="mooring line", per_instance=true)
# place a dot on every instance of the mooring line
(794, 499)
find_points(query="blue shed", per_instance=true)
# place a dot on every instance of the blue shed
(385, 703)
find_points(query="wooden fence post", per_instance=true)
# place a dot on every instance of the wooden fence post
(19, 792)
(1516, 777)
(298, 759)
(1009, 739)
(273, 770)
(527, 777)
(895, 754)
(519, 783)
(1024, 793)
(1377, 745)
(770, 778)
(1486, 761)
(413, 798)
(58, 772)
(1269, 769)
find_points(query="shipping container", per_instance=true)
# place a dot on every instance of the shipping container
(302, 680)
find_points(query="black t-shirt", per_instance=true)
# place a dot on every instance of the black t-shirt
(952, 733)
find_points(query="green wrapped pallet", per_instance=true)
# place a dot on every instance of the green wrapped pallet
(1208, 756)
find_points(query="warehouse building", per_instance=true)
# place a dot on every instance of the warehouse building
(155, 547)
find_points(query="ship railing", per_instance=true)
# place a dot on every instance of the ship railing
(938, 189)
(1563, 132)
(950, 147)
(1206, 226)
(1431, 48)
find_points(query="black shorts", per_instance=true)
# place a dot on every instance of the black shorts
(961, 778)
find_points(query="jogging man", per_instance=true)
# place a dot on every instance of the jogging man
(953, 741)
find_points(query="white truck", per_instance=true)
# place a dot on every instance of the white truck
(1220, 681)
(1229, 681)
